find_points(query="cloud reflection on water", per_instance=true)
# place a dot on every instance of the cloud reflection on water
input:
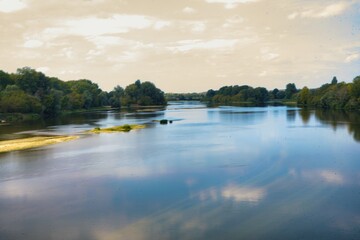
(234, 193)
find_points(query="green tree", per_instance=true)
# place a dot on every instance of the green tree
(15, 100)
(32, 82)
(52, 102)
(304, 96)
(355, 89)
(334, 81)
(5, 80)
(116, 97)
(290, 90)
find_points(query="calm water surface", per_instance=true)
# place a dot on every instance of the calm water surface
(215, 173)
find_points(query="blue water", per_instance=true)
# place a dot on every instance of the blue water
(214, 173)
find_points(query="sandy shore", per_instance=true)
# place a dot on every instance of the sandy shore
(33, 142)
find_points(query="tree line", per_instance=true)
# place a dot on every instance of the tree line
(30, 91)
(331, 95)
(247, 94)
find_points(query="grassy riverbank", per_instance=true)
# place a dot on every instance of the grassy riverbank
(32, 142)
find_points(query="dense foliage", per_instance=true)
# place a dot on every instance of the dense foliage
(247, 94)
(332, 96)
(184, 96)
(30, 91)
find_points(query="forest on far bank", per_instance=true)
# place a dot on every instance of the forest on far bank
(333, 95)
(30, 91)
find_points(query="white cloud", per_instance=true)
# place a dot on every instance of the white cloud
(67, 52)
(334, 9)
(198, 26)
(189, 10)
(329, 11)
(158, 25)
(352, 57)
(43, 69)
(233, 21)
(69, 72)
(124, 57)
(267, 55)
(263, 74)
(103, 41)
(8, 6)
(229, 4)
(92, 27)
(270, 56)
(96, 30)
(293, 15)
(187, 45)
(33, 43)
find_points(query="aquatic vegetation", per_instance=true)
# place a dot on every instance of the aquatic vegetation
(122, 128)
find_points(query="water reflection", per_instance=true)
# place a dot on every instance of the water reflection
(305, 115)
(234, 193)
(335, 119)
(291, 115)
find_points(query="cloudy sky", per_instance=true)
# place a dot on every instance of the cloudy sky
(184, 45)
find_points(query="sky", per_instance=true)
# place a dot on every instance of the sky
(184, 45)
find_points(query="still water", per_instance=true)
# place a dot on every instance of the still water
(214, 173)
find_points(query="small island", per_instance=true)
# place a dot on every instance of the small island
(122, 128)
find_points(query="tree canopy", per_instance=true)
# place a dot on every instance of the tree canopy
(30, 91)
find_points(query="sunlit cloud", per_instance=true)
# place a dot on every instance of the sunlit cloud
(189, 10)
(267, 55)
(188, 45)
(92, 26)
(198, 26)
(158, 25)
(43, 69)
(231, 3)
(352, 58)
(33, 43)
(8, 6)
(99, 30)
(329, 11)
(106, 41)
(233, 21)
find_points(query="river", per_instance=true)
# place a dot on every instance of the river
(214, 173)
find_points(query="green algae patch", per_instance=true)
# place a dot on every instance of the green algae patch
(123, 128)
(32, 142)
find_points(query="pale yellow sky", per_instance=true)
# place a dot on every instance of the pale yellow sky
(184, 45)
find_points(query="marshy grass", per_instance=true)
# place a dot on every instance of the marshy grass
(32, 142)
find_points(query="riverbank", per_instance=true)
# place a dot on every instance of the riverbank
(33, 142)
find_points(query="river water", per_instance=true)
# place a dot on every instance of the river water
(214, 173)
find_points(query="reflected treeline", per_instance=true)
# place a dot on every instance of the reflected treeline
(305, 115)
(291, 115)
(75, 118)
(335, 118)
